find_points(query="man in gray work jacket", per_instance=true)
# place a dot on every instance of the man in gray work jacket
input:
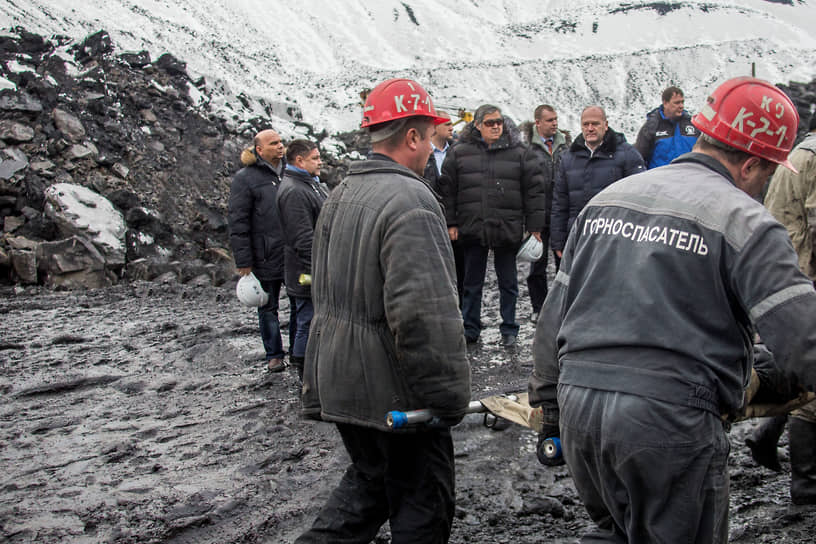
(387, 333)
(645, 339)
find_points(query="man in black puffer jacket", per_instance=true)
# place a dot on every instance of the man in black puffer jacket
(299, 200)
(256, 236)
(596, 159)
(493, 191)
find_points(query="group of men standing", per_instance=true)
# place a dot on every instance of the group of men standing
(274, 203)
(494, 189)
(643, 341)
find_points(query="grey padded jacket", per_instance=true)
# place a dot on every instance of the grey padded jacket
(387, 332)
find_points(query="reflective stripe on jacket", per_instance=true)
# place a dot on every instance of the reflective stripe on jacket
(664, 279)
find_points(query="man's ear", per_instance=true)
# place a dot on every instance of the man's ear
(749, 164)
(412, 138)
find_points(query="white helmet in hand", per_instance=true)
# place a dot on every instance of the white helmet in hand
(531, 250)
(250, 292)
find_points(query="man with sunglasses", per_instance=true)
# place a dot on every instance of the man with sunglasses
(493, 192)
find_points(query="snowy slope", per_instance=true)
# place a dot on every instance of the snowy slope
(319, 54)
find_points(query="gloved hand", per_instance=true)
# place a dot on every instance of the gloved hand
(443, 422)
(775, 386)
(548, 449)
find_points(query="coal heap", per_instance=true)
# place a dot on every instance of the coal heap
(128, 128)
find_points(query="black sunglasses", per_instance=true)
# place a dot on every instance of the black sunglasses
(493, 122)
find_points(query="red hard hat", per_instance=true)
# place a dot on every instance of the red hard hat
(752, 115)
(397, 99)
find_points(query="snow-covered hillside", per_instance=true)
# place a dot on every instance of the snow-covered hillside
(319, 54)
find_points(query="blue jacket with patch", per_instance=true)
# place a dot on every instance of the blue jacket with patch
(661, 140)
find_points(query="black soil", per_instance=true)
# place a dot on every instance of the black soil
(142, 413)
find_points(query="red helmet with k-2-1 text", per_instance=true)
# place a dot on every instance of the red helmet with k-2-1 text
(397, 99)
(752, 115)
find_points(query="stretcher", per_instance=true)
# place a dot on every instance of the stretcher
(515, 407)
(511, 407)
(498, 411)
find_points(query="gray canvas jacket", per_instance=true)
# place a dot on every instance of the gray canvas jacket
(666, 276)
(387, 332)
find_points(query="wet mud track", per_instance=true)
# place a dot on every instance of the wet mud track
(142, 413)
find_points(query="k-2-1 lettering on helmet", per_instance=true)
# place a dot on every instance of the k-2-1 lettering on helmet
(752, 115)
(250, 292)
(397, 99)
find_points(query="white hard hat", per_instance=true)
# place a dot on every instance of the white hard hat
(531, 250)
(250, 292)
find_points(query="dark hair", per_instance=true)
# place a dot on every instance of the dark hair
(812, 125)
(732, 155)
(298, 148)
(400, 128)
(483, 111)
(539, 111)
(669, 93)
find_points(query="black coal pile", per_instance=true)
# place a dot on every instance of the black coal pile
(125, 127)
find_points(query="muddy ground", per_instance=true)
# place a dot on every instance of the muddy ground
(142, 413)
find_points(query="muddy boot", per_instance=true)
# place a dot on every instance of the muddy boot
(763, 442)
(802, 443)
(297, 362)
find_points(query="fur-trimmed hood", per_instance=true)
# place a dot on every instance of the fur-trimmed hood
(248, 156)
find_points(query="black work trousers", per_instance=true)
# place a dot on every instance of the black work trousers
(537, 282)
(646, 470)
(802, 436)
(406, 479)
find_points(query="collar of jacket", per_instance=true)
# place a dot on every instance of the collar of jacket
(558, 140)
(260, 163)
(377, 162)
(610, 143)
(300, 172)
(808, 143)
(706, 160)
(659, 111)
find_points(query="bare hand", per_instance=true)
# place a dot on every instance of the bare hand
(453, 232)
(244, 271)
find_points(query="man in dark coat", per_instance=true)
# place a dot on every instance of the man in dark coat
(492, 191)
(256, 236)
(596, 159)
(387, 333)
(441, 142)
(667, 132)
(547, 143)
(300, 197)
